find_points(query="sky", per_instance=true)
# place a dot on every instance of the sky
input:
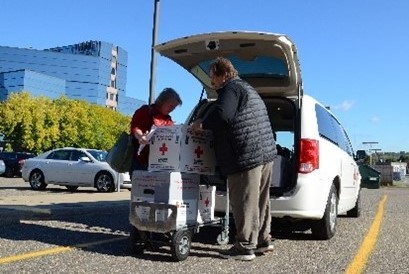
(353, 54)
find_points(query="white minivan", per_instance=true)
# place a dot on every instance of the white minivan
(315, 175)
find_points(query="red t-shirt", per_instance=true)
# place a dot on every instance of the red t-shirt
(143, 119)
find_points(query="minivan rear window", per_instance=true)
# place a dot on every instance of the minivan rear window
(264, 66)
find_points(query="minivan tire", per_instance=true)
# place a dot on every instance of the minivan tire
(325, 228)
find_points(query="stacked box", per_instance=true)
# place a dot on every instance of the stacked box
(164, 149)
(173, 188)
(179, 148)
(206, 203)
(142, 190)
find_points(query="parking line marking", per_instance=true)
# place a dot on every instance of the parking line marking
(359, 262)
(55, 250)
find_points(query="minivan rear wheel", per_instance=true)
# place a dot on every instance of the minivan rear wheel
(325, 228)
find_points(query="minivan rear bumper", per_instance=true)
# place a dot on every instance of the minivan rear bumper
(304, 202)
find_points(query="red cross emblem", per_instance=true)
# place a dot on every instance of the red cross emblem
(163, 148)
(207, 202)
(198, 151)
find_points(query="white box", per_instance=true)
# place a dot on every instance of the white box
(143, 187)
(206, 203)
(164, 186)
(186, 213)
(164, 149)
(197, 152)
(178, 148)
(158, 189)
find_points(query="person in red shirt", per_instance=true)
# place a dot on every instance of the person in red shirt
(145, 117)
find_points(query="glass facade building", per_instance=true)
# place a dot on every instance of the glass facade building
(94, 71)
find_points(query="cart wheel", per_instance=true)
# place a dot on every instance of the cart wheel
(223, 238)
(180, 246)
(136, 241)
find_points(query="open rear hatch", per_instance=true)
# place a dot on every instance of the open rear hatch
(267, 61)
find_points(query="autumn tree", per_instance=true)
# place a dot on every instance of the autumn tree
(38, 124)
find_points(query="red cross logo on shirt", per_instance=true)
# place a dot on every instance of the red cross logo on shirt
(198, 151)
(163, 148)
(207, 202)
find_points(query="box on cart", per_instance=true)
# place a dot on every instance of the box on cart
(180, 190)
(206, 203)
(164, 186)
(179, 148)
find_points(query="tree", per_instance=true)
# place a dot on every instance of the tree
(40, 124)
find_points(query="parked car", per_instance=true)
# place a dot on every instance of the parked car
(14, 162)
(73, 168)
(2, 167)
(315, 176)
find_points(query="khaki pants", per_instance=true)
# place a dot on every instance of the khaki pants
(250, 202)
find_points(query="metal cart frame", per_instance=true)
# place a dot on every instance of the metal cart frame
(148, 232)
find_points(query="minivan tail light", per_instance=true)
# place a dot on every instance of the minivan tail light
(309, 156)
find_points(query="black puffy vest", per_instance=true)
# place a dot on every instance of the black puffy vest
(247, 141)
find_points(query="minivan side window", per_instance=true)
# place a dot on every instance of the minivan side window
(326, 124)
(348, 145)
(330, 129)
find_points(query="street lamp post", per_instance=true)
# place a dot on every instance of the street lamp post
(370, 149)
(153, 55)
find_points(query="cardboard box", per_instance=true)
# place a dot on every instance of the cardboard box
(158, 189)
(178, 148)
(206, 203)
(143, 187)
(197, 152)
(164, 186)
(164, 149)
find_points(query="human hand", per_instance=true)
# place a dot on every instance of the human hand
(197, 125)
(142, 138)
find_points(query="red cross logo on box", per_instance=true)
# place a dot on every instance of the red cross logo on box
(198, 151)
(163, 149)
(207, 202)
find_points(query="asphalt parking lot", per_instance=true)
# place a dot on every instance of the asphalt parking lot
(56, 231)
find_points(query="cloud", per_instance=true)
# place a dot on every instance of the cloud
(345, 105)
(375, 119)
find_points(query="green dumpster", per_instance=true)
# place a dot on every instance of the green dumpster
(370, 177)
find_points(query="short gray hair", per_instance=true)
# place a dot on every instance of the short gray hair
(167, 95)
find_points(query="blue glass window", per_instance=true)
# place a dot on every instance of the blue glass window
(263, 66)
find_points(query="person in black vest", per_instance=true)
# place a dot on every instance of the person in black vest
(245, 148)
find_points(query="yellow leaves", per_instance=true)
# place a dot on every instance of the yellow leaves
(39, 124)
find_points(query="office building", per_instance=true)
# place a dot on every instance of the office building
(94, 71)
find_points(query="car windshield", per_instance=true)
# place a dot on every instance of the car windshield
(262, 66)
(100, 155)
